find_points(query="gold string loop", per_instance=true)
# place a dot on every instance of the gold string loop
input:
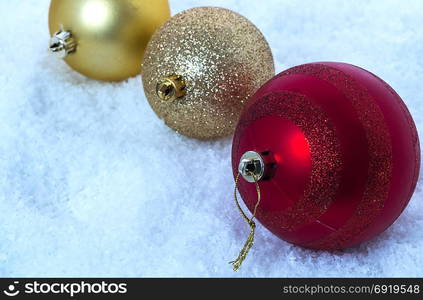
(250, 240)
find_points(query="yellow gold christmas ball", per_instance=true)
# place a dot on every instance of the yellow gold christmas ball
(104, 39)
(200, 68)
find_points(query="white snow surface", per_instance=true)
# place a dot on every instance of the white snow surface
(92, 183)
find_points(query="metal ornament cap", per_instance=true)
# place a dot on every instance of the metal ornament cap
(223, 59)
(171, 88)
(251, 166)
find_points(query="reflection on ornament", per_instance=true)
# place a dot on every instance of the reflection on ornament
(200, 68)
(104, 39)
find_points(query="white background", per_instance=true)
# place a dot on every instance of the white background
(93, 184)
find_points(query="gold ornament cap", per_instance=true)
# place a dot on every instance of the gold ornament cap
(171, 88)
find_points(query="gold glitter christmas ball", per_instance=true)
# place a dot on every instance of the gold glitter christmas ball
(200, 68)
(104, 39)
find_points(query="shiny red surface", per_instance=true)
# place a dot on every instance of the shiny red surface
(346, 151)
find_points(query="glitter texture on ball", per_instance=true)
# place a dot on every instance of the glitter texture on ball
(104, 39)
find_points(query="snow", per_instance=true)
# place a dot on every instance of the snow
(93, 184)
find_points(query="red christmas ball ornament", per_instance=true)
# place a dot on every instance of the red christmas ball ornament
(334, 151)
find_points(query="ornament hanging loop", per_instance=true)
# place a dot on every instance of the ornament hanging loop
(252, 168)
(62, 43)
(171, 88)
